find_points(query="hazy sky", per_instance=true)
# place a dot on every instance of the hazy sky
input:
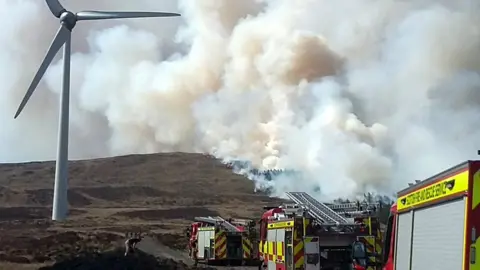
(357, 95)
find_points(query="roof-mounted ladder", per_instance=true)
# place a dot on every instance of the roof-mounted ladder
(218, 221)
(353, 214)
(316, 209)
(350, 207)
(241, 221)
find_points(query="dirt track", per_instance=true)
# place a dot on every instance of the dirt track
(155, 194)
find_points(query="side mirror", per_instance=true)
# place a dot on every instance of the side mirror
(359, 250)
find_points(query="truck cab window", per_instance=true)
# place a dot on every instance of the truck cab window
(263, 230)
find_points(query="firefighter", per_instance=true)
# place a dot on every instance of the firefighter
(131, 243)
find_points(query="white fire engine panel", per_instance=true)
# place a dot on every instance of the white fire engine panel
(403, 245)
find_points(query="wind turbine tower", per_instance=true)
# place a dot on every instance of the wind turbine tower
(68, 20)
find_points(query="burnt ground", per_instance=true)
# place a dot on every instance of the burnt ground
(157, 195)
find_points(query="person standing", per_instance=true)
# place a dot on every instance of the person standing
(131, 243)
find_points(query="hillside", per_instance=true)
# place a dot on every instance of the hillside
(155, 194)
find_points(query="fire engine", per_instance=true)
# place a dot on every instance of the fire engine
(308, 234)
(433, 223)
(214, 240)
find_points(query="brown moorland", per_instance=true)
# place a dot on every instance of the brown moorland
(156, 194)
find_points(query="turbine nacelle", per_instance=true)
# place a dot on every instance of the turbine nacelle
(68, 19)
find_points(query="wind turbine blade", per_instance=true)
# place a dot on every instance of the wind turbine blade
(55, 7)
(62, 35)
(104, 15)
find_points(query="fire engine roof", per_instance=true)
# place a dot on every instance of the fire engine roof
(393, 208)
(270, 212)
(434, 178)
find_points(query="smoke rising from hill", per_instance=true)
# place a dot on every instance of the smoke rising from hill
(356, 95)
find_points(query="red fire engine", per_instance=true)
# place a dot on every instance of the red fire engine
(214, 240)
(433, 223)
(312, 235)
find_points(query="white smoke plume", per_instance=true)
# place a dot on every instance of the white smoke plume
(357, 95)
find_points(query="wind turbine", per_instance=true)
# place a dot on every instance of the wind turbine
(68, 20)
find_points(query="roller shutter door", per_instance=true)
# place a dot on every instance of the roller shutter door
(438, 235)
(404, 237)
(201, 243)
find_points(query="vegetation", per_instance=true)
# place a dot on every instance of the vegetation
(262, 176)
(384, 202)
